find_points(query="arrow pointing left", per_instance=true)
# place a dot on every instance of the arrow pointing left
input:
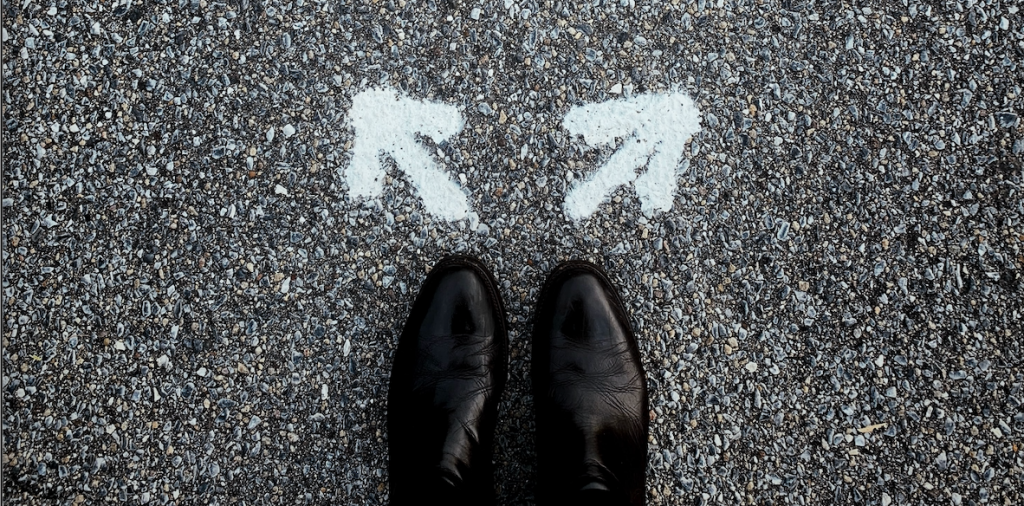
(387, 123)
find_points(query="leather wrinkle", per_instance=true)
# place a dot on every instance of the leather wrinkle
(448, 375)
(588, 380)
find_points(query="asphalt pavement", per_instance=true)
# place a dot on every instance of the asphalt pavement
(216, 216)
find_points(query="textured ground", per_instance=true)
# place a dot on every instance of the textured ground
(195, 309)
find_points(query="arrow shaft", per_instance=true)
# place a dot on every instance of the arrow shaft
(620, 169)
(442, 196)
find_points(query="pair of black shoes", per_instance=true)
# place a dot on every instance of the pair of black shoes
(449, 373)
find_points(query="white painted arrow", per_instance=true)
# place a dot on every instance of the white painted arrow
(387, 123)
(654, 129)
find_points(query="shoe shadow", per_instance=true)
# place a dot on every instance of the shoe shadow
(515, 454)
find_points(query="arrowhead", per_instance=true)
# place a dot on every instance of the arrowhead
(387, 123)
(654, 129)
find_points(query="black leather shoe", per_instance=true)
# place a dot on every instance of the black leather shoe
(449, 372)
(590, 393)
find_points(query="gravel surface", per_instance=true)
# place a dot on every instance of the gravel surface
(196, 310)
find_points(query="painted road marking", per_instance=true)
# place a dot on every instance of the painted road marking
(387, 123)
(655, 129)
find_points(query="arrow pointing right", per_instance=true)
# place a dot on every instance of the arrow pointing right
(386, 123)
(655, 129)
